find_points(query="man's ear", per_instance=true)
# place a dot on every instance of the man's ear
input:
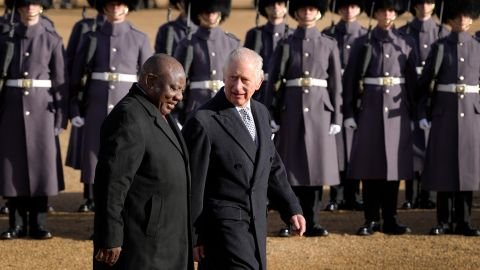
(262, 77)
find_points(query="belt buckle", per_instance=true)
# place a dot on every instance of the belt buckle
(305, 82)
(214, 85)
(112, 77)
(387, 81)
(27, 83)
(460, 89)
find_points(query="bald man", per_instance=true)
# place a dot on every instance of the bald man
(142, 180)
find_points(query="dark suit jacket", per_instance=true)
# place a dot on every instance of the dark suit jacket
(142, 188)
(231, 175)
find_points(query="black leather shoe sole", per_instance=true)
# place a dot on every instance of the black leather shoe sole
(41, 235)
(285, 232)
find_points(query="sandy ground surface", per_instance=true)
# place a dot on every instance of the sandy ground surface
(71, 249)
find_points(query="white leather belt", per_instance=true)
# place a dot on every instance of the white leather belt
(458, 88)
(29, 83)
(419, 70)
(114, 77)
(213, 85)
(307, 82)
(384, 81)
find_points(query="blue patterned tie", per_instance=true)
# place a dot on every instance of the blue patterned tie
(248, 121)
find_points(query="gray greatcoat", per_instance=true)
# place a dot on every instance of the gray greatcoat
(178, 29)
(453, 151)
(345, 34)
(306, 148)
(29, 164)
(382, 144)
(425, 33)
(121, 48)
(211, 48)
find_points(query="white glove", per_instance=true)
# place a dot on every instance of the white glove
(334, 129)
(78, 121)
(57, 131)
(274, 126)
(424, 124)
(350, 123)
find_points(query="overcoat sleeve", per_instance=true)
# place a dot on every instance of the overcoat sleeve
(59, 78)
(122, 146)
(335, 84)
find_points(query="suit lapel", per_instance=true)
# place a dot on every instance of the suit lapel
(230, 120)
(263, 137)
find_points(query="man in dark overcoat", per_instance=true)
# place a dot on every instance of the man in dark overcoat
(264, 39)
(120, 51)
(309, 113)
(142, 181)
(345, 32)
(453, 152)
(234, 164)
(379, 104)
(425, 31)
(32, 114)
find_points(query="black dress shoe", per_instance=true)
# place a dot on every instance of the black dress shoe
(13, 233)
(368, 228)
(40, 234)
(407, 205)
(396, 229)
(316, 231)
(4, 210)
(284, 232)
(331, 206)
(441, 229)
(88, 206)
(50, 209)
(351, 206)
(466, 230)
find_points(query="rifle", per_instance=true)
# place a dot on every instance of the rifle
(332, 27)
(258, 32)
(87, 69)
(170, 32)
(7, 51)
(367, 57)
(278, 101)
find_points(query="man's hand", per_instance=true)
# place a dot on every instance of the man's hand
(78, 121)
(350, 123)
(57, 131)
(274, 126)
(108, 255)
(334, 129)
(198, 253)
(424, 124)
(298, 224)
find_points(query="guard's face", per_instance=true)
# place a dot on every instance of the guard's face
(461, 23)
(385, 17)
(166, 91)
(210, 19)
(30, 12)
(349, 12)
(277, 10)
(241, 82)
(116, 11)
(307, 16)
(424, 9)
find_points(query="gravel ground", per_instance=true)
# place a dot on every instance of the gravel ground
(70, 248)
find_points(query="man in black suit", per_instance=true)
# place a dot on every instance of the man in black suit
(234, 164)
(142, 180)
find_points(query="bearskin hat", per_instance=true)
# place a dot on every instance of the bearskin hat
(413, 3)
(321, 5)
(46, 4)
(452, 9)
(400, 6)
(100, 4)
(198, 7)
(342, 3)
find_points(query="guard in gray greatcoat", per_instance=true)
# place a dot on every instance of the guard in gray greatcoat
(345, 32)
(117, 55)
(453, 118)
(33, 105)
(170, 33)
(209, 47)
(74, 151)
(264, 39)
(379, 105)
(425, 31)
(307, 106)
